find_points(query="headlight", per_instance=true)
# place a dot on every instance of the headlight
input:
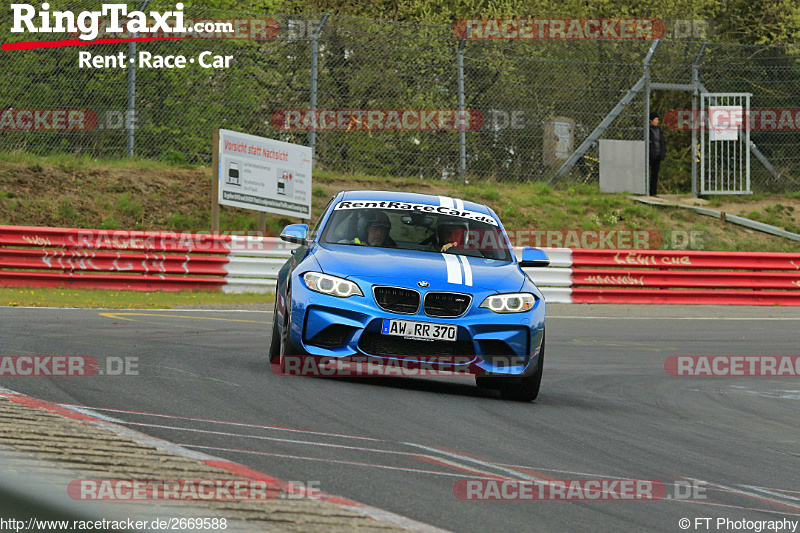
(510, 303)
(331, 285)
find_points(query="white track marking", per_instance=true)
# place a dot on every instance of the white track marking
(435, 459)
(772, 493)
(730, 506)
(262, 437)
(338, 461)
(747, 493)
(787, 491)
(440, 457)
(486, 464)
(225, 422)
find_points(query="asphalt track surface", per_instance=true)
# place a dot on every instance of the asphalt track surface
(608, 409)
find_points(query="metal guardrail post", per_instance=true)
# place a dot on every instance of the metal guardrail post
(314, 75)
(646, 136)
(695, 95)
(130, 116)
(462, 135)
(605, 123)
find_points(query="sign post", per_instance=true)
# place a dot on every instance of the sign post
(215, 182)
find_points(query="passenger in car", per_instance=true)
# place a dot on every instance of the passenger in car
(451, 236)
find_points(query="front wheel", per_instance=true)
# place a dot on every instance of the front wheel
(287, 348)
(275, 343)
(528, 389)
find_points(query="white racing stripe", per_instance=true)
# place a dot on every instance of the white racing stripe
(444, 201)
(453, 269)
(453, 203)
(467, 270)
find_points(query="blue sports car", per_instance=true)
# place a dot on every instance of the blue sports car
(415, 279)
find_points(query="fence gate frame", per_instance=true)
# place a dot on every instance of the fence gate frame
(724, 162)
(644, 85)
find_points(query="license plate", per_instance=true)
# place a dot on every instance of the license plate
(419, 330)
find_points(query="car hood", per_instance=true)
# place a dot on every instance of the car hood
(381, 265)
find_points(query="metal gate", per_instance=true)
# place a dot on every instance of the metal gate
(725, 144)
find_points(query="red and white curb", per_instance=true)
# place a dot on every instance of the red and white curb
(85, 414)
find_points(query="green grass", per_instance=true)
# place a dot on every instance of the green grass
(778, 215)
(98, 299)
(171, 195)
(68, 162)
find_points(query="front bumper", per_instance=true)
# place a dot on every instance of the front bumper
(487, 343)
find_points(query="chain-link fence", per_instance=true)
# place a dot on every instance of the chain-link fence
(531, 103)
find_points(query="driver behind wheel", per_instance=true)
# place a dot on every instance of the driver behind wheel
(378, 226)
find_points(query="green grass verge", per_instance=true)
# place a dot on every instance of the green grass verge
(97, 299)
(140, 194)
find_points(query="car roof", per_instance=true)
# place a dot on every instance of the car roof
(413, 197)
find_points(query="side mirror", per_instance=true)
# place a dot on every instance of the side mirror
(534, 257)
(295, 233)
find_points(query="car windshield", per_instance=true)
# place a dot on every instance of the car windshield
(429, 232)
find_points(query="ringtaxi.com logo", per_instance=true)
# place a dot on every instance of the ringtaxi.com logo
(143, 27)
(68, 366)
(87, 23)
(253, 29)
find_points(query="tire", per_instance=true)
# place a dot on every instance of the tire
(275, 343)
(286, 337)
(528, 389)
(286, 347)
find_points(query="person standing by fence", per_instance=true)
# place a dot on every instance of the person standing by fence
(658, 152)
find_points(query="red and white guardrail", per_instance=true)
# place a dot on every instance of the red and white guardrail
(670, 277)
(171, 261)
(138, 260)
